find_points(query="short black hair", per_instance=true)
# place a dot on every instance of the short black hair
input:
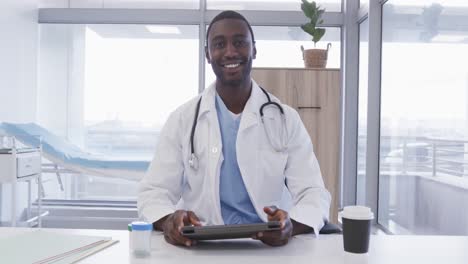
(228, 14)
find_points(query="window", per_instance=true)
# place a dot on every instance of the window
(279, 5)
(117, 85)
(424, 118)
(363, 3)
(142, 73)
(141, 67)
(143, 4)
(281, 47)
(362, 110)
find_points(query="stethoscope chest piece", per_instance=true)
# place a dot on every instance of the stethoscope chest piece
(193, 161)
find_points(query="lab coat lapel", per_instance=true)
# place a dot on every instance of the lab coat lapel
(251, 114)
(214, 157)
(247, 146)
(208, 101)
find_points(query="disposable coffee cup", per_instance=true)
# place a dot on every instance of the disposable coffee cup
(356, 222)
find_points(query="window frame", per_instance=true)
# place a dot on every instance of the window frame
(345, 20)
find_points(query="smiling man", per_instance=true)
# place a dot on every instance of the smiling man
(217, 162)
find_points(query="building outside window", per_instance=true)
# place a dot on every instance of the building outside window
(362, 111)
(129, 78)
(424, 118)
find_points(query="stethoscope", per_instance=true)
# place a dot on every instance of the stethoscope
(193, 160)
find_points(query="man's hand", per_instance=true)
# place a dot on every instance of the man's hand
(172, 227)
(278, 237)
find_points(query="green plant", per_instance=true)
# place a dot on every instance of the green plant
(314, 13)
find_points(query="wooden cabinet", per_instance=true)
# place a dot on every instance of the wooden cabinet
(316, 95)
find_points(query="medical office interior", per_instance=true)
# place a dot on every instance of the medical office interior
(81, 80)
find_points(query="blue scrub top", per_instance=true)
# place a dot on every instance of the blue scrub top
(236, 206)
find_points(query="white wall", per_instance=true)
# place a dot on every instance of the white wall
(61, 79)
(441, 206)
(18, 73)
(424, 205)
(53, 78)
(18, 63)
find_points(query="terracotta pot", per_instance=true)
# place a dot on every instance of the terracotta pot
(315, 58)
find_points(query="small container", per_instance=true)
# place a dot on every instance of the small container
(140, 238)
(130, 237)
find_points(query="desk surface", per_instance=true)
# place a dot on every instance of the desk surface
(301, 249)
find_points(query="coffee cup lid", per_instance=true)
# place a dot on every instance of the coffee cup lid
(356, 212)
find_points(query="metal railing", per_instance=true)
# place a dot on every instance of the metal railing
(422, 154)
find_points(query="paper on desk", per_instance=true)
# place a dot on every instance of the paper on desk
(85, 253)
(37, 246)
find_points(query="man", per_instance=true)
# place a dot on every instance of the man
(217, 162)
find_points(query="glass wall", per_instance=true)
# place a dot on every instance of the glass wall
(126, 80)
(279, 5)
(108, 88)
(141, 67)
(288, 40)
(159, 4)
(424, 117)
(271, 5)
(362, 111)
(363, 3)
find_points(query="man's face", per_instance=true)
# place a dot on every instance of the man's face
(230, 51)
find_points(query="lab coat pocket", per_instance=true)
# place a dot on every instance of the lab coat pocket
(273, 165)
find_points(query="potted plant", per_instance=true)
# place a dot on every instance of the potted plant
(314, 58)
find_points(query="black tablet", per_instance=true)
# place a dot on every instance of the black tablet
(228, 231)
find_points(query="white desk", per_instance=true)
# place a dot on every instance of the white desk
(301, 249)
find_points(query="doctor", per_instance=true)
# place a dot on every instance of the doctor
(217, 162)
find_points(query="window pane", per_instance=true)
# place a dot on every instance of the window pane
(424, 124)
(281, 47)
(419, 4)
(363, 3)
(162, 4)
(362, 112)
(280, 5)
(123, 82)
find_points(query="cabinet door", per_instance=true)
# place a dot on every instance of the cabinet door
(28, 164)
(274, 81)
(304, 88)
(322, 121)
(315, 94)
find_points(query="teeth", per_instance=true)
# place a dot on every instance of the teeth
(232, 65)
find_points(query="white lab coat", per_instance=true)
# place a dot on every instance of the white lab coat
(171, 184)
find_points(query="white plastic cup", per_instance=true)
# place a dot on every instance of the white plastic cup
(140, 238)
(356, 222)
(130, 237)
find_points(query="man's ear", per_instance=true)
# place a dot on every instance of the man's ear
(207, 55)
(254, 52)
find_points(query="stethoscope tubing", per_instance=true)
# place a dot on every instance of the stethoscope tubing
(193, 161)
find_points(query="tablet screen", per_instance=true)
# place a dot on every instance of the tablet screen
(228, 231)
